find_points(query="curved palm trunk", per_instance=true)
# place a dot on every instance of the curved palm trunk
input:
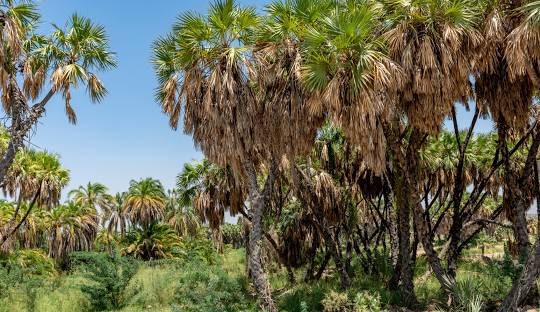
(258, 204)
(527, 280)
(20, 125)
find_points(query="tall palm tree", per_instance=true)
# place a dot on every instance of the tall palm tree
(434, 43)
(212, 68)
(70, 57)
(145, 202)
(93, 195)
(513, 108)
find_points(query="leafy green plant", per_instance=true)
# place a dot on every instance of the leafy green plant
(337, 302)
(209, 289)
(155, 241)
(109, 274)
(367, 302)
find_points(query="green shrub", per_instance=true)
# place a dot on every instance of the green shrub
(337, 302)
(109, 276)
(209, 289)
(363, 302)
(153, 285)
(367, 302)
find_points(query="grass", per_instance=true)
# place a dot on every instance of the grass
(54, 295)
(172, 286)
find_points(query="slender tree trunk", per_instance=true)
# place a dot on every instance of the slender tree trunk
(401, 189)
(258, 204)
(512, 198)
(312, 253)
(20, 125)
(334, 251)
(403, 274)
(426, 236)
(537, 190)
(394, 242)
(523, 285)
(323, 266)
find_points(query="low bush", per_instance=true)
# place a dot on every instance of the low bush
(109, 275)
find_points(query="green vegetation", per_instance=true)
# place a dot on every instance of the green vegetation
(323, 128)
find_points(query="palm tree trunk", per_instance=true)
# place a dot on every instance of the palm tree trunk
(521, 289)
(20, 126)
(324, 263)
(403, 274)
(258, 204)
(401, 189)
(344, 278)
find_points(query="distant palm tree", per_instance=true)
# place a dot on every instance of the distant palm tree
(181, 216)
(208, 189)
(156, 241)
(106, 239)
(95, 196)
(69, 228)
(116, 217)
(33, 170)
(145, 201)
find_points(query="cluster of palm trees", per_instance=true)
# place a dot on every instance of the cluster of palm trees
(255, 90)
(143, 222)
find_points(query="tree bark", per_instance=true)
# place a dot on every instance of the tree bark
(20, 126)
(258, 201)
(401, 189)
(523, 285)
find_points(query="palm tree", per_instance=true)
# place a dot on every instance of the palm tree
(512, 109)
(156, 241)
(212, 68)
(344, 66)
(116, 218)
(210, 190)
(434, 43)
(73, 55)
(181, 216)
(145, 202)
(95, 196)
(69, 228)
(33, 171)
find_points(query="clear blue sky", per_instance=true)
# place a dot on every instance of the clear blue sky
(125, 137)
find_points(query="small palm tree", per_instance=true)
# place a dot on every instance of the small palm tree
(156, 241)
(181, 217)
(145, 202)
(116, 217)
(72, 55)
